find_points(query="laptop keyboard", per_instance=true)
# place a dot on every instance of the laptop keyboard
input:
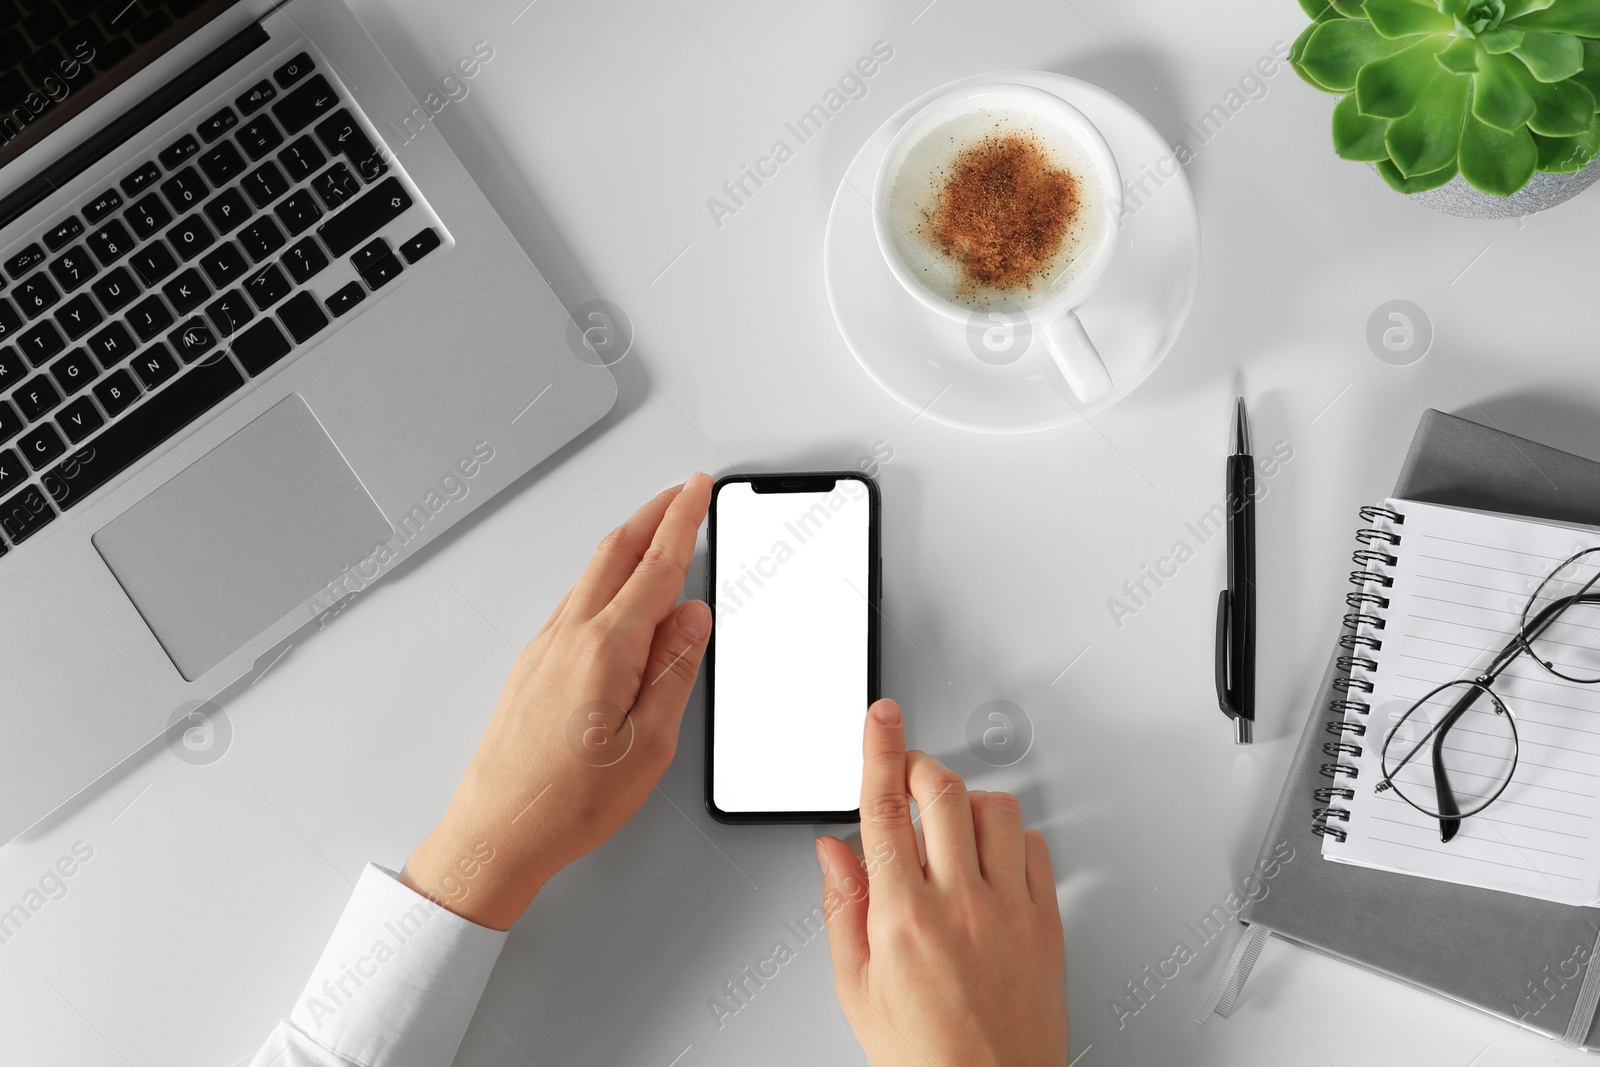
(227, 252)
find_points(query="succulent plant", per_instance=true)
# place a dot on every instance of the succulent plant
(1491, 89)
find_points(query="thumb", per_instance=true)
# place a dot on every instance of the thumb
(844, 909)
(676, 650)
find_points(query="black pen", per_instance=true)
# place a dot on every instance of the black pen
(1236, 607)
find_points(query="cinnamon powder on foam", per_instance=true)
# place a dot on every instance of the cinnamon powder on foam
(1003, 212)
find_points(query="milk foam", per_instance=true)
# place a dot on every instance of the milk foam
(929, 164)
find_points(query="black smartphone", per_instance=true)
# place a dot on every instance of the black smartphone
(794, 578)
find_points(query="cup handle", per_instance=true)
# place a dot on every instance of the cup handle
(1076, 357)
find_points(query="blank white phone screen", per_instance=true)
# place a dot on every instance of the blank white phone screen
(790, 670)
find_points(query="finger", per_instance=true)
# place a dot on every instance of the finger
(619, 553)
(1002, 849)
(1041, 879)
(669, 672)
(946, 816)
(656, 582)
(885, 808)
(844, 909)
(556, 614)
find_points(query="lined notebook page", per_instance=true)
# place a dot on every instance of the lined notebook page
(1460, 582)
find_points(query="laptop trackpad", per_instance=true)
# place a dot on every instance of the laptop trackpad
(242, 537)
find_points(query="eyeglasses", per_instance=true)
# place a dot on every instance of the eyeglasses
(1467, 729)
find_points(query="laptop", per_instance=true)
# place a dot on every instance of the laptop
(261, 339)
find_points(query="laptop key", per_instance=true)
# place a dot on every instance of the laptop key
(258, 137)
(142, 429)
(193, 339)
(149, 317)
(184, 189)
(302, 316)
(223, 163)
(36, 295)
(265, 184)
(10, 320)
(261, 238)
(141, 179)
(40, 446)
(369, 254)
(292, 71)
(228, 210)
(79, 419)
(336, 185)
(190, 237)
(63, 233)
(302, 107)
(229, 312)
(147, 216)
(340, 134)
(150, 27)
(25, 515)
(116, 290)
(102, 205)
(224, 263)
(11, 423)
(111, 345)
(111, 242)
(78, 316)
(116, 392)
(365, 216)
(24, 261)
(218, 124)
(420, 245)
(304, 261)
(152, 263)
(41, 342)
(72, 268)
(302, 158)
(186, 292)
(12, 369)
(11, 472)
(267, 286)
(298, 212)
(174, 154)
(155, 365)
(260, 346)
(73, 371)
(256, 97)
(346, 298)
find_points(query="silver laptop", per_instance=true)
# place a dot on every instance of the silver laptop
(261, 338)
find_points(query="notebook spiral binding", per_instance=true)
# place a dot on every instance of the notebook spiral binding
(1361, 642)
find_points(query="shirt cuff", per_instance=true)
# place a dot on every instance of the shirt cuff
(399, 980)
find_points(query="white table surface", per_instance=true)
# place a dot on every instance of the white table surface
(599, 131)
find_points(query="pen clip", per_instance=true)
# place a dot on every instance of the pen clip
(1224, 625)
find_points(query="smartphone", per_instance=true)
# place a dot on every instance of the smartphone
(794, 578)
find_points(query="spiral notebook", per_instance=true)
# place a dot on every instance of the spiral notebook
(1523, 958)
(1440, 592)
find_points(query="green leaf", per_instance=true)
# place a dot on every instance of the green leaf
(1460, 56)
(1550, 57)
(1388, 88)
(1589, 76)
(1320, 10)
(1336, 51)
(1356, 136)
(1564, 155)
(1407, 18)
(1499, 42)
(1515, 8)
(1494, 161)
(1419, 184)
(1564, 109)
(1426, 140)
(1350, 9)
(1498, 94)
(1581, 17)
(1295, 51)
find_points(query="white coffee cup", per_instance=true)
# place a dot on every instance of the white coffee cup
(911, 176)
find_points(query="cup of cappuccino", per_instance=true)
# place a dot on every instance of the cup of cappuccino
(1000, 199)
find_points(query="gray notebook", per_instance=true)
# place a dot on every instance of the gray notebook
(1516, 957)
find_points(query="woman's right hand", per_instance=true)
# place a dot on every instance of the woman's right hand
(957, 963)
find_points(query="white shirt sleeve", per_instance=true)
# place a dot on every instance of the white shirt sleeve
(396, 986)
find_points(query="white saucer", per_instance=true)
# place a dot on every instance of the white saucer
(925, 362)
